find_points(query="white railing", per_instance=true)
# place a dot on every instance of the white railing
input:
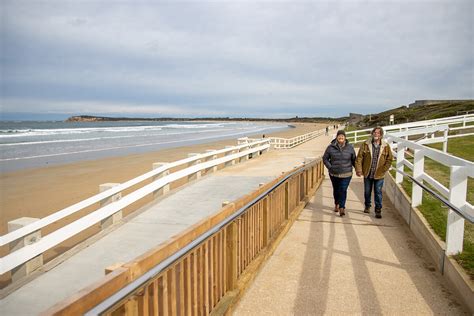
(47, 242)
(466, 121)
(460, 171)
(286, 143)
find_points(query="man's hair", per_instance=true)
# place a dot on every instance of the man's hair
(377, 128)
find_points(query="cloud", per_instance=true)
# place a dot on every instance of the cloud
(236, 58)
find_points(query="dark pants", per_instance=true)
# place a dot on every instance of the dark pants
(339, 190)
(377, 185)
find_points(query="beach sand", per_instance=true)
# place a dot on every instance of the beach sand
(43, 191)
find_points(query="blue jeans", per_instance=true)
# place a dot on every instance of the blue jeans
(377, 185)
(339, 190)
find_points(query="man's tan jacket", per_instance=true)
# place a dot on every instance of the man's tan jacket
(364, 159)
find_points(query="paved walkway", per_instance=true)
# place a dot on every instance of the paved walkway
(154, 225)
(352, 265)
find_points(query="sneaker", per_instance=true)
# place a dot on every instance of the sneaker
(378, 213)
(367, 210)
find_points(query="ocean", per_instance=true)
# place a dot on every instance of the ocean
(30, 144)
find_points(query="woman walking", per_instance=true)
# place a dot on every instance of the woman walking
(339, 158)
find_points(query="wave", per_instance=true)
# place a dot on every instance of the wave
(10, 133)
(133, 146)
(102, 138)
(69, 131)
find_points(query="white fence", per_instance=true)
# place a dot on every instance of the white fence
(460, 171)
(286, 143)
(461, 122)
(162, 178)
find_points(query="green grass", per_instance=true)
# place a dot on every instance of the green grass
(435, 212)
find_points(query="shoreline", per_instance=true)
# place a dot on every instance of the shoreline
(38, 192)
(42, 191)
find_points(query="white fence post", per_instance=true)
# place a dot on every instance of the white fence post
(399, 165)
(457, 196)
(114, 218)
(197, 175)
(418, 167)
(241, 141)
(230, 152)
(166, 188)
(32, 264)
(445, 142)
(211, 169)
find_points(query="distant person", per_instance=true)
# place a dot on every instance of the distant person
(263, 136)
(327, 131)
(373, 161)
(339, 158)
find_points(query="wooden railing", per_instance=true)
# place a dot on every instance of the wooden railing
(206, 268)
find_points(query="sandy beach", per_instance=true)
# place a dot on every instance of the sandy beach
(43, 191)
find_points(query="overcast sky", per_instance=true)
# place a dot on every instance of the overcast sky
(239, 58)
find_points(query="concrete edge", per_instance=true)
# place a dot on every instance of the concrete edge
(460, 282)
(454, 274)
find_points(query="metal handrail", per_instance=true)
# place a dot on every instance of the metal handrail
(460, 212)
(148, 277)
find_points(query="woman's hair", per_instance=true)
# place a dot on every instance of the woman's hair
(377, 128)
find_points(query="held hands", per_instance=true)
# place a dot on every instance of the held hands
(358, 173)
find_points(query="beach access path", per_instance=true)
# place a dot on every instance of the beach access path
(325, 264)
(155, 224)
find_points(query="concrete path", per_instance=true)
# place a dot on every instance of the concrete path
(154, 225)
(352, 265)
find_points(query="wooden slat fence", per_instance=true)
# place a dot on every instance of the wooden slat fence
(210, 277)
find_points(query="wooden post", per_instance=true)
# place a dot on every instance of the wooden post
(214, 168)
(418, 167)
(287, 200)
(34, 263)
(445, 141)
(399, 165)
(455, 224)
(166, 188)
(113, 267)
(197, 175)
(116, 217)
(266, 223)
(228, 153)
(231, 256)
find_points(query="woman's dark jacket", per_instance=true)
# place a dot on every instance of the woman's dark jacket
(339, 160)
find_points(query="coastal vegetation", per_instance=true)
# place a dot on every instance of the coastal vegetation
(296, 119)
(405, 114)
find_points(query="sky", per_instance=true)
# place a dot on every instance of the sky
(271, 59)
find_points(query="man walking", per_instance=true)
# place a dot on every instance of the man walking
(373, 161)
